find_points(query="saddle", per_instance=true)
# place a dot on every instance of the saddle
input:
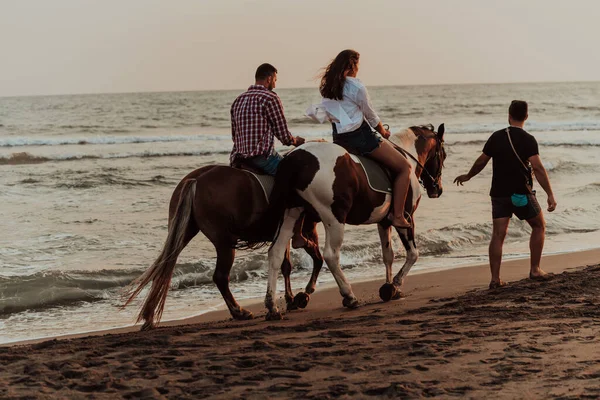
(240, 163)
(378, 176)
(265, 181)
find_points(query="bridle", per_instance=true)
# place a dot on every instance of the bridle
(439, 146)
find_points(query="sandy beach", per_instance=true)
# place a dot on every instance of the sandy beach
(450, 337)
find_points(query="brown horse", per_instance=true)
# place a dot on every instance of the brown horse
(326, 183)
(229, 206)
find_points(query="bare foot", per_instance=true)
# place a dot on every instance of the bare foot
(497, 284)
(540, 275)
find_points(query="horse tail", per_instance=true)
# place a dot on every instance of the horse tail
(161, 271)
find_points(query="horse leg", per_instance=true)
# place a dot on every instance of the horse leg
(277, 253)
(286, 271)
(387, 291)
(334, 236)
(225, 256)
(312, 249)
(407, 236)
(311, 246)
(298, 240)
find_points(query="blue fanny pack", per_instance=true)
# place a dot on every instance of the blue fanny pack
(519, 200)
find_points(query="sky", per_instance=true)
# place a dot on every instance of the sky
(99, 46)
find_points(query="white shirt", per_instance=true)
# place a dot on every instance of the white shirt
(349, 113)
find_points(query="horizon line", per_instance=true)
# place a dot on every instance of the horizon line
(290, 88)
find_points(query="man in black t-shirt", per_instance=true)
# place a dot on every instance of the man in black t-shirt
(514, 153)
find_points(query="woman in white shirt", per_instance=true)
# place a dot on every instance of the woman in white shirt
(347, 100)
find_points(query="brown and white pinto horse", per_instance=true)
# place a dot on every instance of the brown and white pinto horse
(228, 205)
(324, 181)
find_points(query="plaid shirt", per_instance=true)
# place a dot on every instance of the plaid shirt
(256, 118)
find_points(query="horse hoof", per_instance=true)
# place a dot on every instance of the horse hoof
(301, 300)
(148, 326)
(243, 315)
(291, 305)
(350, 302)
(387, 292)
(398, 295)
(274, 316)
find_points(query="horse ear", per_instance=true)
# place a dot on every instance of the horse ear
(441, 131)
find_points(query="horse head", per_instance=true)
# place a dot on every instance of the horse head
(431, 154)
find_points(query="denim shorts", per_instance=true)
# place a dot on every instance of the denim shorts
(503, 207)
(267, 164)
(361, 141)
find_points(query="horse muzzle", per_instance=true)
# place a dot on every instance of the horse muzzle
(435, 193)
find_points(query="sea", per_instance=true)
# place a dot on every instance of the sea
(85, 182)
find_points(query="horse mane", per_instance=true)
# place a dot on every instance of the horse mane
(421, 129)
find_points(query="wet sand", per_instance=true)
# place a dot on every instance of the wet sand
(450, 337)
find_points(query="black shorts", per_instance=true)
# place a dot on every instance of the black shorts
(361, 141)
(502, 207)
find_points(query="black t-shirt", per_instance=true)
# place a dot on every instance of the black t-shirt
(509, 176)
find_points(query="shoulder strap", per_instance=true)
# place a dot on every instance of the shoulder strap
(515, 151)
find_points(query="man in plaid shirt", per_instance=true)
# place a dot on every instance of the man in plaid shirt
(256, 119)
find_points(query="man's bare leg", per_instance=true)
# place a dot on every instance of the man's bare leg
(536, 243)
(500, 227)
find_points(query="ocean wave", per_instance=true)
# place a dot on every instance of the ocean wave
(548, 143)
(584, 108)
(463, 236)
(401, 114)
(26, 158)
(302, 121)
(44, 290)
(532, 126)
(57, 288)
(575, 143)
(61, 288)
(81, 126)
(224, 123)
(94, 181)
(590, 188)
(28, 141)
(22, 158)
(394, 112)
(569, 166)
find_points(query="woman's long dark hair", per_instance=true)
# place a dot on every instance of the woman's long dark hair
(333, 79)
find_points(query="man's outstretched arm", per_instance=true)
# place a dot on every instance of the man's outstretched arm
(542, 177)
(477, 167)
(279, 125)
